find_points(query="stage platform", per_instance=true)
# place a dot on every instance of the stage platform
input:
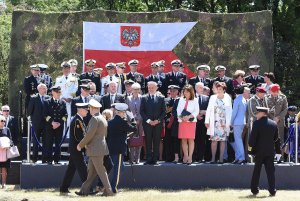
(168, 176)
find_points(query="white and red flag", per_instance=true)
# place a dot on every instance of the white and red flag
(122, 42)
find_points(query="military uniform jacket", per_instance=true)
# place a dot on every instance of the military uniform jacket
(68, 85)
(47, 80)
(205, 81)
(169, 107)
(55, 111)
(229, 83)
(264, 136)
(179, 80)
(121, 85)
(94, 77)
(94, 139)
(77, 130)
(117, 131)
(278, 107)
(106, 80)
(74, 108)
(162, 87)
(30, 84)
(255, 82)
(137, 77)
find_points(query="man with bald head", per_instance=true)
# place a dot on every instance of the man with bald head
(153, 111)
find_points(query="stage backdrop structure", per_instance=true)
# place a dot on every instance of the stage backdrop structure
(232, 40)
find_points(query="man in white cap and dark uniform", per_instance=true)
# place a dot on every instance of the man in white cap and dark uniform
(202, 73)
(175, 77)
(69, 85)
(255, 79)
(221, 70)
(96, 148)
(44, 77)
(90, 74)
(134, 75)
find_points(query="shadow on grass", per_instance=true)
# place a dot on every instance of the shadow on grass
(253, 197)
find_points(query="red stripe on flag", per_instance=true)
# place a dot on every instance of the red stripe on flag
(145, 58)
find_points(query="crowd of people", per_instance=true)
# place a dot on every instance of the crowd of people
(170, 117)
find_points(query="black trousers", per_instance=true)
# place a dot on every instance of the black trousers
(168, 146)
(53, 136)
(39, 130)
(76, 162)
(153, 135)
(268, 162)
(202, 143)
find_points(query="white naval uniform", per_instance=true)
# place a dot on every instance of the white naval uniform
(68, 90)
(107, 79)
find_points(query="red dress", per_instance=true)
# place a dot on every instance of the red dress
(187, 129)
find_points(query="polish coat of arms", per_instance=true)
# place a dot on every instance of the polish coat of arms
(130, 36)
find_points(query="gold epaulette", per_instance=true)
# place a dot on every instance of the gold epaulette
(48, 118)
(64, 119)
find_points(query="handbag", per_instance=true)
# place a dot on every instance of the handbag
(12, 152)
(185, 112)
(4, 142)
(136, 141)
(3, 155)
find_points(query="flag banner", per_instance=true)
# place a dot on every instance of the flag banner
(122, 42)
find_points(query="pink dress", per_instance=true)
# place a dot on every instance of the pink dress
(186, 130)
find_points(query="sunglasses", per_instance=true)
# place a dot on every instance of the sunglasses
(3, 121)
(5, 110)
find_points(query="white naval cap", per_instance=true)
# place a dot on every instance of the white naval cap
(73, 62)
(220, 67)
(44, 66)
(94, 103)
(254, 66)
(121, 106)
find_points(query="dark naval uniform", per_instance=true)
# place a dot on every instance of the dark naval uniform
(117, 131)
(228, 82)
(205, 81)
(137, 77)
(161, 84)
(94, 77)
(74, 108)
(255, 82)
(55, 111)
(76, 160)
(30, 84)
(179, 80)
(262, 141)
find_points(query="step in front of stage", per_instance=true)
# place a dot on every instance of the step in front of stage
(168, 176)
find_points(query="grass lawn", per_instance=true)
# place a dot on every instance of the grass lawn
(14, 193)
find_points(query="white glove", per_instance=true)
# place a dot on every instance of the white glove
(277, 156)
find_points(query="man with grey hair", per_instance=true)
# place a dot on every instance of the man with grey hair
(112, 97)
(202, 143)
(153, 111)
(36, 110)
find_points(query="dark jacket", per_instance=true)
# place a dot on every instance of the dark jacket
(77, 129)
(255, 82)
(229, 83)
(194, 80)
(36, 109)
(180, 80)
(105, 101)
(153, 110)
(12, 124)
(78, 99)
(94, 77)
(117, 135)
(161, 83)
(30, 84)
(55, 111)
(137, 77)
(264, 136)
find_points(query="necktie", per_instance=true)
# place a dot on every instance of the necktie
(112, 99)
(66, 77)
(85, 100)
(152, 98)
(110, 78)
(42, 99)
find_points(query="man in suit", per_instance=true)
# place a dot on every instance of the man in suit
(263, 143)
(56, 116)
(221, 70)
(155, 77)
(202, 143)
(175, 77)
(111, 97)
(93, 94)
(111, 76)
(118, 129)
(202, 73)
(134, 75)
(238, 122)
(90, 74)
(278, 106)
(36, 110)
(153, 111)
(96, 149)
(76, 160)
(121, 76)
(11, 123)
(84, 97)
(169, 121)
(255, 79)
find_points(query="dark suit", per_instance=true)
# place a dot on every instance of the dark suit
(137, 77)
(179, 80)
(228, 82)
(54, 112)
(161, 83)
(106, 102)
(255, 82)
(36, 110)
(202, 142)
(153, 110)
(117, 145)
(12, 124)
(205, 81)
(76, 160)
(94, 77)
(79, 99)
(263, 138)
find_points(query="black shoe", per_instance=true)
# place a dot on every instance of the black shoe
(147, 163)
(93, 192)
(154, 163)
(254, 192)
(212, 162)
(64, 191)
(235, 162)
(80, 194)
(272, 193)
(49, 163)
